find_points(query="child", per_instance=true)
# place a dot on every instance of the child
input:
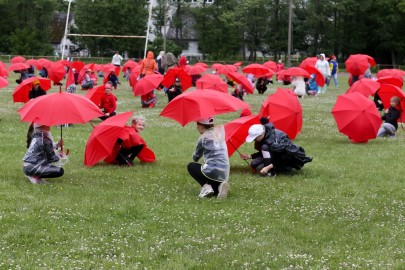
(113, 79)
(108, 102)
(174, 90)
(299, 86)
(390, 117)
(261, 85)
(311, 87)
(213, 175)
(40, 155)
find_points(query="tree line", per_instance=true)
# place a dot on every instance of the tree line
(222, 28)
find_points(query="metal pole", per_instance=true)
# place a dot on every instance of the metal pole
(289, 33)
(66, 29)
(147, 31)
(164, 25)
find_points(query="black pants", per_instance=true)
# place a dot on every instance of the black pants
(194, 169)
(106, 117)
(126, 156)
(43, 171)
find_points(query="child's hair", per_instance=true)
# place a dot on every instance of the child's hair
(29, 134)
(395, 99)
(138, 117)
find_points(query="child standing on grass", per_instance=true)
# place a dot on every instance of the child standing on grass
(391, 116)
(213, 174)
(41, 154)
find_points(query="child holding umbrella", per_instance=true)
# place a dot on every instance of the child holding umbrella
(213, 174)
(391, 116)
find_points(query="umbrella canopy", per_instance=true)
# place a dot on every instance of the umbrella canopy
(3, 82)
(66, 63)
(78, 65)
(95, 94)
(216, 66)
(212, 81)
(129, 64)
(59, 108)
(357, 64)
(43, 63)
(320, 80)
(236, 131)
(173, 73)
(396, 73)
(202, 63)
(366, 87)
(18, 66)
(195, 69)
(200, 104)
(17, 59)
(356, 117)
(271, 65)
(258, 70)
(238, 64)
(387, 91)
(226, 69)
(104, 136)
(242, 80)
(284, 110)
(56, 72)
(3, 70)
(147, 84)
(22, 91)
(296, 71)
(397, 81)
(309, 61)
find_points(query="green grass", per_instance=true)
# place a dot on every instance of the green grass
(345, 210)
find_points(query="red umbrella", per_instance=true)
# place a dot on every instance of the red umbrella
(195, 70)
(147, 84)
(284, 110)
(212, 81)
(173, 73)
(236, 131)
(102, 139)
(56, 72)
(309, 61)
(397, 81)
(258, 70)
(200, 104)
(202, 64)
(366, 87)
(17, 59)
(396, 73)
(21, 92)
(133, 77)
(78, 65)
(146, 155)
(242, 80)
(18, 66)
(320, 80)
(43, 63)
(129, 64)
(95, 94)
(216, 66)
(387, 91)
(357, 117)
(357, 64)
(59, 108)
(3, 70)
(226, 69)
(271, 65)
(238, 64)
(296, 71)
(31, 62)
(3, 82)
(370, 60)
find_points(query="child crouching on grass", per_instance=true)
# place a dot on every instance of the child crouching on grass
(213, 174)
(391, 116)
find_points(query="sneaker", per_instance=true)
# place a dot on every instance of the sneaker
(206, 192)
(35, 180)
(269, 174)
(223, 190)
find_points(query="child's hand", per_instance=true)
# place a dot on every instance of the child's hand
(244, 157)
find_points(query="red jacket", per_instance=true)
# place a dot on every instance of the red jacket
(108, 103)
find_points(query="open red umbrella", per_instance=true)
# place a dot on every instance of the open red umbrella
(271, 65)
(356, 117)
(56, 72)
(387, 91)
(129, 64)
(202, 64)
(102, 139)
(18, 66)
(309, 61)
(173, 73)
(236, 131)
(366, 87)
(226, 69)
(357, 64)
(59, 108)
(396, 73)
(284, 110)
(43, 63)
(200, 104)
(242, 80)
(147, 84)
(95, 94)
(17, 59)
(397, 81)
(212, 81)
(3, 82)
(66, 63)
(21, 92)
(195, 69)
(238, 64)
(296, 71)
(258, 70)
(320, 80)
(78, 65)
(216, 66)
(3, 70)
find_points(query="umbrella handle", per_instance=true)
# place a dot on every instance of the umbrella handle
(61, 137)
(239, 152)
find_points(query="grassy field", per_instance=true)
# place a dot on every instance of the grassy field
(344, 210)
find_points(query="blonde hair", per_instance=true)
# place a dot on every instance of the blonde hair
(138, 117)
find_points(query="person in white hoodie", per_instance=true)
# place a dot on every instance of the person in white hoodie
(324, 68)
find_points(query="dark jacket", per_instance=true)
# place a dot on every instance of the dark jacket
(36, 93)
(392, 116)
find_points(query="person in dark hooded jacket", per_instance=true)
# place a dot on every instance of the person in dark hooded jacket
(277, 153)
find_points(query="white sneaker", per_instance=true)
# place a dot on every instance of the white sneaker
(35, 180)
(223, 190)
(206, 192)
